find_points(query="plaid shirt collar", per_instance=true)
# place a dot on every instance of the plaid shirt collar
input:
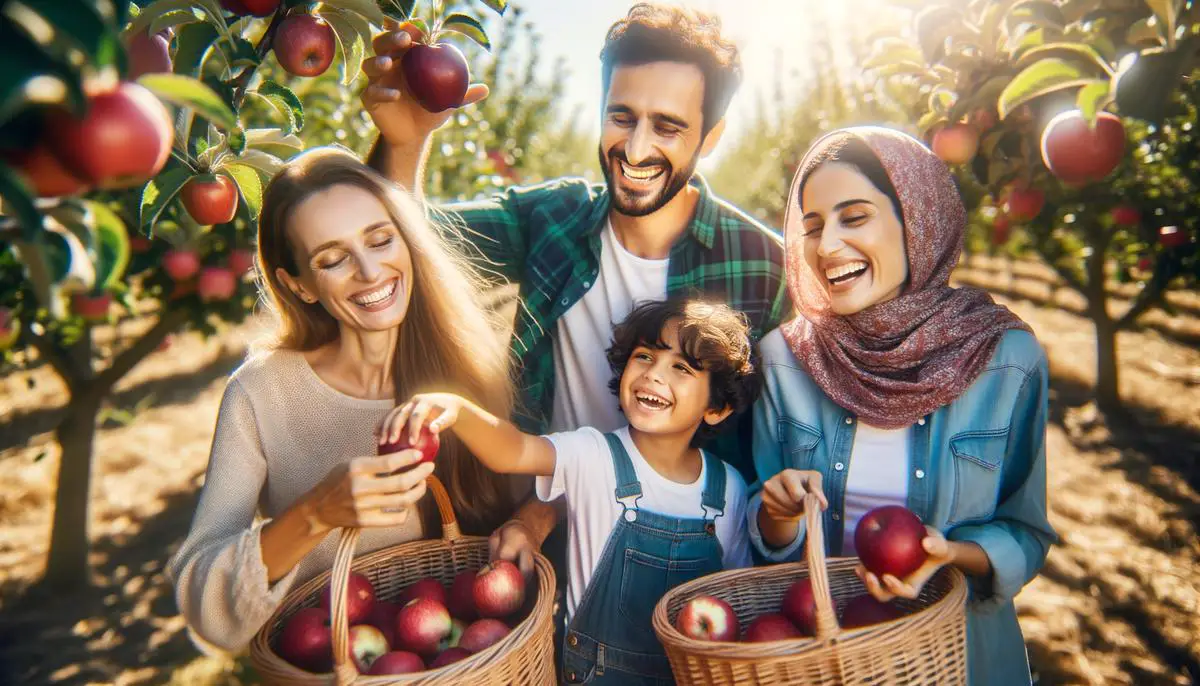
(702, 227)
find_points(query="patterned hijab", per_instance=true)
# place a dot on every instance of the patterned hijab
(898, 360)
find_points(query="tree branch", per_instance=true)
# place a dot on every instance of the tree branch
(1152, 294)
(51, 354)
(242, 82)
(145, 345)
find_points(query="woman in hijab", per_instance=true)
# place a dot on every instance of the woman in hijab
(893, 388)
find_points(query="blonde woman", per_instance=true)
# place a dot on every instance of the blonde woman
(370, 306)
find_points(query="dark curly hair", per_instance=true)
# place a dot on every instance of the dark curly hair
(712, 337)
(654, 32)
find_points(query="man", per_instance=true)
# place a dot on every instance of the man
(583, 255)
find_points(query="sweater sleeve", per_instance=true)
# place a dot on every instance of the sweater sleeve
(220, 579)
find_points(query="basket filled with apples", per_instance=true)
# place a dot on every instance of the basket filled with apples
(814, 622)
(423, 612)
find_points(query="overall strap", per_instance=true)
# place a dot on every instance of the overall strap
(629, 489)
(713, 497)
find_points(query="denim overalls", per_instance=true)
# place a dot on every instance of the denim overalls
(610, 639)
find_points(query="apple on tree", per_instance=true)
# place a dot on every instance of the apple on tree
(216, 284)
(92, 307)
(304, 44)
(44, 172)
(1025, 203)
(148, 54)
(956, 143)
(1076, 152)
(210, 198)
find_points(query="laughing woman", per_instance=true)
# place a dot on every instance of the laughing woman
(370, 306)
(892, 387)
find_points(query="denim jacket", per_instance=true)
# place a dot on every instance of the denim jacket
(977, 473)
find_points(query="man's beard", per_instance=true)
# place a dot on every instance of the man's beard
(642, 206)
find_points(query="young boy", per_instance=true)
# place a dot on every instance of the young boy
(647, 510)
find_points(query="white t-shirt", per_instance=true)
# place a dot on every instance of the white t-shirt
(583, 472)
(878, 475)
(581, 371)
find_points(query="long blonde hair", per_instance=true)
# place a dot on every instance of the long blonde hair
(448, 341)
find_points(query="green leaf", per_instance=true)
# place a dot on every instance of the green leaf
(18, 202)
(1167, 12)
(1042, 13)
(1038, 79)
(274, 141)
(240, 53)
(112, 245)
(237, 140)
(365, 8)
(420, 25)
(1080, 53)
(157, 194)
(497, 6)
(186, 91)
(350, 42)
(80, 23)
(30, 75)
(934, 25)
(246, 178)
(985, 96)
(172, 19)
(469, 27)
(930, 120)
(193, 44)
(1143, 85)
(284, 100)
(1093, 97)
(199, 10)
(941, 100)
(264, 162)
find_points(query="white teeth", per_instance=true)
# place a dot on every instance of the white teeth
(377, 295)
(653, 401)
(640, 173)
(845, 270)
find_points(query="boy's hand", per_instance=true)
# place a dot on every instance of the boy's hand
(439, 410)
(888, 587)
(783, 494)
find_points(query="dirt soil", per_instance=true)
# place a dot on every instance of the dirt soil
(1117, 602)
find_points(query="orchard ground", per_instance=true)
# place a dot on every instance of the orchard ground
(1117, 602)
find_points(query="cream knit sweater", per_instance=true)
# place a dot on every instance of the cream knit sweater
(279, 431)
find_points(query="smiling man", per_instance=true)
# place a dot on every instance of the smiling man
(584, 255)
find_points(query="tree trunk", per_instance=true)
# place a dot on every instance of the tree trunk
(67, 564)
(1108, 396)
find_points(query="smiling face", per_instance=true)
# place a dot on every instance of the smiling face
(351, 258)
(652, 136)
(662, 393)
(852, 238)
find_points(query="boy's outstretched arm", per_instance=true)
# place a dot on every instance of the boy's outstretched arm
(497, 443)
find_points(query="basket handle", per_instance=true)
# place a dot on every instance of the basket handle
(344, 671)
(827, 626)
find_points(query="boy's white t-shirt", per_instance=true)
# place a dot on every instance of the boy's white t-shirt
(584, 474)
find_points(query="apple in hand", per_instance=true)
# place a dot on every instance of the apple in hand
(482, 635)
(448, 657)
(422, 625)
(771, 627)
(367, 644)
(708, 619)
(428, 443)
(888, 541)
(864, 610)
(800, 606)
(437, 75)
(499, 589)
(360, 596)
(397, 662)
(307, 640)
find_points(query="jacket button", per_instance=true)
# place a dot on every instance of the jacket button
(564, 301)
(849, 420)
(839, 466)
(921, 421)
(920, 473)
(572, 640)
(836, 516)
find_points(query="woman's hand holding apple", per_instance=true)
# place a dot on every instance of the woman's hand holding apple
(434, 412)
(887, 587)
(368, 492)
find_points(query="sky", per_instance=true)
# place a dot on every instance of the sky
(575, 29)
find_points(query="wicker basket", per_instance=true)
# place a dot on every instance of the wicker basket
(524, 656)
(925, 646)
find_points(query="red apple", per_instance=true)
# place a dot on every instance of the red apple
(307, 640)
(1025, 203)
(10, 329)
(1077, 153)
(499, 589)
(800, 607)
(241, 260)
(397, 662)
(888, 541)
(448, 657)
(304, 44)
(864, 610)
(462, 596)
(124, 138)
(1126, 215)
(956, 144)
(428, 587)
(437, 75)
(1172, 237)
(428, 443)
(148, 54)
(216, 284)
(210, 198)
(92, 307)
(367, 644)
(48, 177)
(360, 596)
(421, 625)
(140, 244)
(771, 627)
(708, 619)
(383, 617)
(482, 635)
(181, 264)
(259, 8)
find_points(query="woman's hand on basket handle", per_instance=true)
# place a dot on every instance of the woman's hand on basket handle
(967, 556)
(364, 492)
(783, 504)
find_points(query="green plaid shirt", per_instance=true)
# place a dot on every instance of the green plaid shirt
(546, 238)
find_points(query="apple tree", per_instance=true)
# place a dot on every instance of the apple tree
(1070, 125)
(135, 142)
